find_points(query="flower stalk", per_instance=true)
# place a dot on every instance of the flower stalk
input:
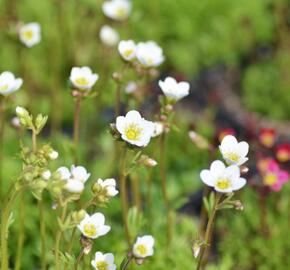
(208, 233)
(123, 195)
(164, 186)
(76, 125)
(58, 238)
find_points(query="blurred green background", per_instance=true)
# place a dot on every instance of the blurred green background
(251, 38)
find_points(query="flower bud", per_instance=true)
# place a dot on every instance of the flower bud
(147, 161)
(196, 248)
(40, 122)
(244, 169)
(46, 175)
(87, 244)
(24, 117)
(15, 122)
(198, 140)
(78, 216)
(53, 155)
(238, 205)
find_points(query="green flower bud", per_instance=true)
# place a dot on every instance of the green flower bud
(40, 122)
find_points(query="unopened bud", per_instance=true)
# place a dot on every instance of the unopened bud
(139, 261)
(238, 205)
(46, 175)
(78, 216)
(15, 122)
(117, 76)
(244, 169)
(87, 244)
(40, 122)
(147, 161)
(53, 155)
(196, 249)
(198, 140)
(169, 108)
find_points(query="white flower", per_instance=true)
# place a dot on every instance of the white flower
(29, 34)
(149, 54)
(234, 152)
(46, 175)
(109, 36)
(134, 129)
(117, 9)
(223, 179)
(104, 261)
(75, 178)
(8, 83)
(143, 247)
(127, 49)
(174, 90)
(131, 87)
(109, 185)
(94, 226)
(53, 155)
(82, 78)
(158, 129)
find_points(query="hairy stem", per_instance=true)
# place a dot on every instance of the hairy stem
(126, 262)
(79, 259)
(42, 234)
(58, 238)
(2, 125)
(164, 186)
(124, 197)
(5, 213)
(21, 234)
(76, 128)
(208, 233)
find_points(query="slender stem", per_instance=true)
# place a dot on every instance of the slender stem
(164, 186)
(124, 197)
(125, 263)
(203, 213)
(58, 238)
(118, 99)
(208, 233)
(70, 245)
(8, 202)
(2, 125)
(21, 234)
(42, 234)
(136, 191)
(149, 196)
(76, 126)
(79, 259)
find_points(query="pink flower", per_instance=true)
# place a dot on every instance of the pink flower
(273, 176)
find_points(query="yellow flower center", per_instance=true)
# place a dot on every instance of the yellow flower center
(270, 179)
(121, 12)
(268, 140)
(232, 156)
(28, 34)
(128, 52)
(133, 132)
(223, 183)
(102, 265)
(4, 87)
(282, 156)
(90, 230)
(82, 81)
(142, 250)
